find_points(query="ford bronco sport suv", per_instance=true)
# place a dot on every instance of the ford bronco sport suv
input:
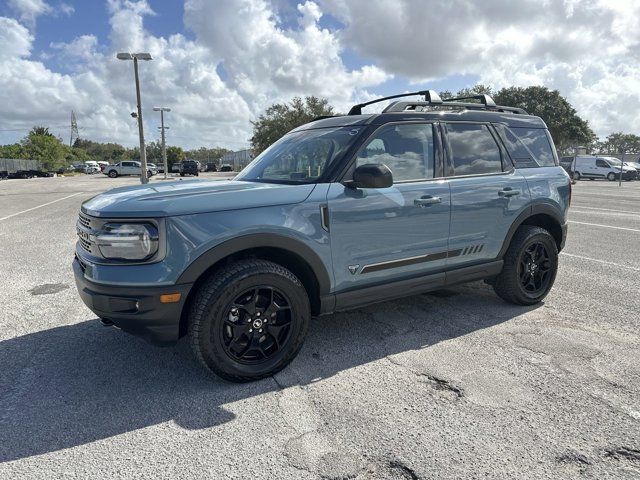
(339, 213)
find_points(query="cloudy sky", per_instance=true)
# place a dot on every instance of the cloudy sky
(219, 63)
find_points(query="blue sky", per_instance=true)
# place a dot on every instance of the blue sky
(219, 63)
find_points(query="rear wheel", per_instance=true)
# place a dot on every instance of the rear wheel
(611, 177)
(530, 267)
(249, 320)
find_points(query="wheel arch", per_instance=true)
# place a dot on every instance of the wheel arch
(541, 215)
(292, 254)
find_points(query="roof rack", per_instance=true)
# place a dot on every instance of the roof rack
(429, 95)
(432, 99)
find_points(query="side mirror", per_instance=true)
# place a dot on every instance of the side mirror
(371, 175)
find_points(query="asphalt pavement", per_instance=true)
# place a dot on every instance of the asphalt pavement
(452, 384)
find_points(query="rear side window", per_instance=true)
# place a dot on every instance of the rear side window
(535, 141)
(474, 151)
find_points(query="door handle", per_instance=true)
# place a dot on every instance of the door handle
(426, 201)
(508, 192)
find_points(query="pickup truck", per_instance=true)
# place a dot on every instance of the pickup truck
(128, 167)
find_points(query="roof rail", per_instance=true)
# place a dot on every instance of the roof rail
(484, 99)
(429, 95)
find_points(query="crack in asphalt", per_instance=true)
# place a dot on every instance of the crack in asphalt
(623, 453)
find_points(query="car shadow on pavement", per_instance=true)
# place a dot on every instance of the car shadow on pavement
(76, 384)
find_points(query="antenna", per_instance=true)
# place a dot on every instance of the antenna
(74, 129)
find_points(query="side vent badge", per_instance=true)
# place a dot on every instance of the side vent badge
(353, 269)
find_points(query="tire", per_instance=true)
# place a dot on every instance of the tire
(197, 174)
(517, 267)
(113, 174)
(219, 336)
(576, 175)
(181, 174)
(611, 177)
(149, 174)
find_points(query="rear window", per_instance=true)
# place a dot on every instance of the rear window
(528, 147)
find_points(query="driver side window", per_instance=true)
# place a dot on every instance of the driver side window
(406, 149)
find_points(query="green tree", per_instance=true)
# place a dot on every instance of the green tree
(205, 155)
(175, 155)
(106, 152)
(619, 142)
(14, 150)
(280, 118)
(567, 128)
(44, 147)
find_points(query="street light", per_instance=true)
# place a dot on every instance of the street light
(143, 154)
(162, 128)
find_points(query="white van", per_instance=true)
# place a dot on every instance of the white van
(592, 167)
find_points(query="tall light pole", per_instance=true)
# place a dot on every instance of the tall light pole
(143, 153)
(162, 128)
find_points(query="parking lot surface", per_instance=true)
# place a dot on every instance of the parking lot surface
(452, 384)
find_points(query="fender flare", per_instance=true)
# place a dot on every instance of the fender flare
(246, 242)
(537, 209)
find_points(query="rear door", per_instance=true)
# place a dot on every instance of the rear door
(383, 234)
(487, 193)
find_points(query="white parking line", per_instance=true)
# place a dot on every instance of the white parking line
(603, 209)
(605, 226)
(605, 214)
(604, 262)
(40, 206)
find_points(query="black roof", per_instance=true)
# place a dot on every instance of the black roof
(509, 119)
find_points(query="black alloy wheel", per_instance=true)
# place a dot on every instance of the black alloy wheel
(534, 269)
(257, 325)
(248, 320)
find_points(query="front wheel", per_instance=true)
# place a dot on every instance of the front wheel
(249, 320)
(576, 175)
(611, 177)
(113, 174)
(530, 267)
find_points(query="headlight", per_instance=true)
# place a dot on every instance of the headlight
(127, 241)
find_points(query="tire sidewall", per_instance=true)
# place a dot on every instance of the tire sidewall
(552, 250)
(210, 338)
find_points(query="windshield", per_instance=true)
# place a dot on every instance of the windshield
(614, 162)
(300, 157)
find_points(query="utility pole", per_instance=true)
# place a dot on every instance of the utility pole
(143, 153)
(162, 128)
(74, 128)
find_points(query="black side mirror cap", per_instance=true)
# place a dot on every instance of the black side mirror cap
(371, 175)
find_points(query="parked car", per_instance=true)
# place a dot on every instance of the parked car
(127, 167)
(190, 167)
(241, 266)
(635, 165)
(102, 165)
(593, 167)
(225, 167)
(211, 167)
(175, 168)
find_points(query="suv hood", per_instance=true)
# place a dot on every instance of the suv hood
(192, 196)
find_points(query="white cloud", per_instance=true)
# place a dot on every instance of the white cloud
(265, 62)
(66, 9)
(588, 49)
(29, 10)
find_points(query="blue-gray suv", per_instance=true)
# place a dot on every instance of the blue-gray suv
(339, 213)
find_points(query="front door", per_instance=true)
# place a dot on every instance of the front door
(379, 235)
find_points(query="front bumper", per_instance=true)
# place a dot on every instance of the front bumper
(136, 310)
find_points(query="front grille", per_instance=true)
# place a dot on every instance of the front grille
(85, 244)
(84, 221)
